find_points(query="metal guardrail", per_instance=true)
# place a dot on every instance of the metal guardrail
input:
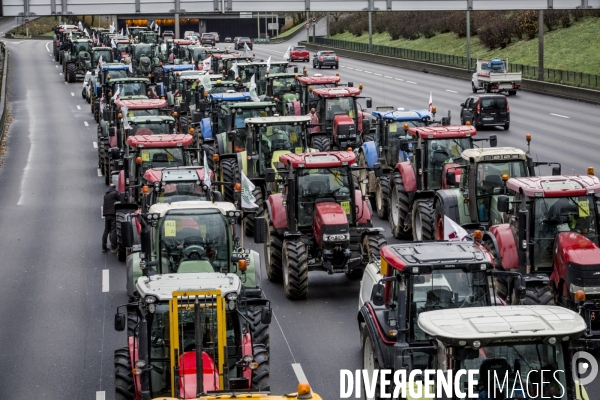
(572, 78)
(3, 90)
(262, 40)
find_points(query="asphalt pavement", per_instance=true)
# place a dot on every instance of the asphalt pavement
(59, 292)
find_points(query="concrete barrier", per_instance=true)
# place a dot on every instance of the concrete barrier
(552, 89)
(4, 90)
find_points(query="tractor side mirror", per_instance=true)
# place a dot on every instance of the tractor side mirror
(451, 178)
(404, 145)
(445, 121)
(556, 170)
(377, 294)
(378, 170)
(520, 288)
(493, 141)
(115, 153)
(369, 103)
(293, 87)
(127, 234)
(462, 105)
(503, 204)
(260, 230)
(120, 322)
(265, 315)
(227, 121)
(270, 175)
(106, 114)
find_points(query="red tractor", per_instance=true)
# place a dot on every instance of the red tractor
(338, 119)
(552, 240)
(304, 90)
(320, 221)
(435, 151)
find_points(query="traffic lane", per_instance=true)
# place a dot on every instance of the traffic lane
(51, 243)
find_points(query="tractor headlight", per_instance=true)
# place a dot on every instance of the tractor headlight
(231, 296)
(334, 238)
(150, 299)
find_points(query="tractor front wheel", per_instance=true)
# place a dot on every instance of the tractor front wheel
(295, 269)
(260, 202)
(372, 245)
(124, 389)
(399, 208)
(539, 295)
(382, 196)
(422, 221)
(320, 143)
(259, 331)
(72, 72)
(370, 363)
(273, 253)
(229, 168)
(107, 169)
(260, 375)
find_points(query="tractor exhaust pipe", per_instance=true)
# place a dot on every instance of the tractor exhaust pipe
(143, 356)
(198, 338)
(523, 235)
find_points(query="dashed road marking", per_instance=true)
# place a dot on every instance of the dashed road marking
(79, 107)
(375, 73)
(349, 68)
(72, 94)
(60, 73)
(414, 83)
(368, 72)
(359, 70)
(389, 77)
(451, 91)
(85, 123)
(398, 79)
(101, 395)
(105, 282)
(99, 174)
(46, 44)
(95, 144)
(561, 116)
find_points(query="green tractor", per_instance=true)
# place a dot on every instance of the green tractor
(77, 59)
(145, 61)
(281, 88)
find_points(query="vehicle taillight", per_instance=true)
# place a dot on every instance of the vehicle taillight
(320, 58)
(478, 106)
(515, 86)
(507, 107)
(336, 58)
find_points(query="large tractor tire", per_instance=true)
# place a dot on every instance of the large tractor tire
(539, 295)
(183, 124)
(55, 54)
(422, 220)
(273, 253)
(369, 137)
(107, 170)
(382, 196)
(210, 151)
(61, 56)
(295, 269)
(321, 143)
(97, 111)
(260, 202)
(259, 331)
(121, 250)
(370, 362)
(399, 208)
(157, 74)
(132, 323)
(229, 166)
(372, 245)
(260, 375)
(72, 72)
(124, 389)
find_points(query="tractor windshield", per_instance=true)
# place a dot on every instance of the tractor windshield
(563, 214)
(131, 89)
(523, 371)
(282, 85)
(143, 112)
(194, 241)
(117, 73)
(440, 152)
(340, 105)
(242, 113)
(443, 289)
(319, 183)
(179, 191)
(142, 50)
(123, 47)
(150, 128)
(162, 158)
(274, 140)
(81, 46)
(107, 56)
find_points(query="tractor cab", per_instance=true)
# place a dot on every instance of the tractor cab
(104, 52)
(148, 37)
(305, 85)
(123, 50)
(145, 61)
(338, 120)
(142, 107)
(231, 120)
(225, 63)
(180, 52)
(128, 88)
(169, 185)
(280, 88)
(77, 59)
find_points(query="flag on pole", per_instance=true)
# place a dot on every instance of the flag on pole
(124, 111)
(206, 83)
(453, 231)
(113, 43)
(112, 28)
(127, 27)
(253, 93)
(117, 95)
(121, 31)
(99, 68)
(248, 199)
(269, 63)
(130, 67)
(430, 102)
(286, 56)
(207, 172)
(152, 25)
(80, 26)
(246, 48)
(86, 33)
(234, 68)
(206, 64)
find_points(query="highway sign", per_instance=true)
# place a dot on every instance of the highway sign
(314, 19)
(245, 14)
(272, 26)
(27, 20)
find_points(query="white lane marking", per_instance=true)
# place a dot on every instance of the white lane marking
(95, 144)
(46, 44)
(389, 77)
(105, 280)
(60, 73)
(349, 68)
(398, 79)
(451, 91)
(561, 116)
(414, 83)
(65, 82)
(56, 66)
(99, 171)
(375, 73)
(79, 107)
(368, 72)
(101, 395)
(85, 123)
(283, 334)
(299, 373)
(359, 70)
(101, 208)
(72, 94)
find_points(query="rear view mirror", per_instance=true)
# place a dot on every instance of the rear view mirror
(377, 294)
(493, 141)
(556, 170)
(378, 170)
(503, 204)
(227, 121)
(293, 87)
(462, 105)
(404, 145)
(270, 175)
(369, 103)
(260, 230)
(451, 178)
(265, 315)
(127, 234)
(115, 153)
(120, 322)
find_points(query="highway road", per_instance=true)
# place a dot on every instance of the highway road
(59, 292)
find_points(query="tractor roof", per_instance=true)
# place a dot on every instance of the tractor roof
(272, 62)
(282, 75)
(556, 185)
(501, 324)
(337, 92)
(183, 42)
(141, 104)
(237, 96)
(289, 120)
(319, 160)
(129, 80)
(177, 174)
(492, 154)
(149, 119)
(163, 208)
(318, 80)
(443, 132)
(253, 104)
(159, 141)
(163, 286)
(114, 67)
(451, 254)
(180, 67)
(403, 115)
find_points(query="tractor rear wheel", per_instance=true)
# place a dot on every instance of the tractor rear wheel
(209, 149)
(539, 295)
(399, 208)
(260, 202)
(61, 56)
(273, 253)
(320, 143)
(372, 245)
(260, 375)
(72, 72)
(107, 169)
(295, 269)
(55, 54)
(121, 250)
(370, 362)
(369, 137)
(229, 167)
(124, 389)
(183, 124)
(382, 196)
(259, 331)
(422, 220)
(132, 323)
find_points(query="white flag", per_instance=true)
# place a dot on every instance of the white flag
(117, 95)
(99, 68)
(206, 64)
(86, 33)
(246, 48)
(113, 43)
(207, 171)
(124, 111)
(206, 83)
(112, 28)
(248, 199)
(430, 102)
(253, 94)
(80, 26)
(269, 63)
(234, 68)
(130, 67)
(121, 31)
(452, 230)
(127, 27)
(152, 25)
(286, 56)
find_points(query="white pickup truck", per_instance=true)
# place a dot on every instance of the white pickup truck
(491, 76)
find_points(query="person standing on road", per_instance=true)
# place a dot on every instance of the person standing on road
(108, 210)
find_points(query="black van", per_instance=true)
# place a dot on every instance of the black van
(486, 110)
